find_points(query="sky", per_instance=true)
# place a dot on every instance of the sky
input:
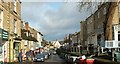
(54, 20)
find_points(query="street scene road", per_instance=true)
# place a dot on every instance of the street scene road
(60, 31)
(55, 58)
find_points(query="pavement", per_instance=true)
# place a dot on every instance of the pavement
(104, 61)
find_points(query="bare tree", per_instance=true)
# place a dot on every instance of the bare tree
(90, 5)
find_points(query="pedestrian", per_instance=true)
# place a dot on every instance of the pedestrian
(81, 50)
(27, 54)
(31, 54)
(20, 56)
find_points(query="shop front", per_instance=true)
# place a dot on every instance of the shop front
(3, 45)
(16, 48)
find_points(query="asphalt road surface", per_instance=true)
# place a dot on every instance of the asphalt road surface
(54, 58)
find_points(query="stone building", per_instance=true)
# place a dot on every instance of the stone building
(10, 21)
(83, 33)
(91, 38)
(100, 25)
(29, 38)
(90, 30)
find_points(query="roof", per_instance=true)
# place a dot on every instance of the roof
(61, 42)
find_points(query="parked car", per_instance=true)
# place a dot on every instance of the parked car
(46, 55)
(49, 53)
(39, 57)
(54, 52)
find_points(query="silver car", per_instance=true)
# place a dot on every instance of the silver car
(39, 57)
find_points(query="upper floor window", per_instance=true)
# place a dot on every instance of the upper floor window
(104, 10)
(119, 7)
(27, 34)
(32, 34)
(15, 3)
(15, 23)
(91, 21)
(0, 18)
(98, 14)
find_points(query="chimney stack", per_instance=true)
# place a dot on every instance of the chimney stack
(26, 25)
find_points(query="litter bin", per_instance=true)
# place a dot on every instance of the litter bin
(90, 61)
(117, 56)
(82, 61)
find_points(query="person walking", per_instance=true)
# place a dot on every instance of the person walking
(31, 54)
(27, 55)
(20, 56)
(81, 50)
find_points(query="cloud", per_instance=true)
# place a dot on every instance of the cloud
(53, 21)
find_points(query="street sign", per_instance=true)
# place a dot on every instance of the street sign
(3, 34)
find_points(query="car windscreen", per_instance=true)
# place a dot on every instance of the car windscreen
(39, 56)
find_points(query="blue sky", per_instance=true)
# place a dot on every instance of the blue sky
(53, 19)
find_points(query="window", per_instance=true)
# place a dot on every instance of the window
(1, 50)
(119, 7)
(25, 43)
(118, 44)
(91, 21)
(26, 33)
(0, 18)
(110, 44)
(15, 23)
(32, 34)
(104, 10)
(98, 14)
(118, 37)
(15, 2)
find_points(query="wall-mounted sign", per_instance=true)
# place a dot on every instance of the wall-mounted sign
(3, 34)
